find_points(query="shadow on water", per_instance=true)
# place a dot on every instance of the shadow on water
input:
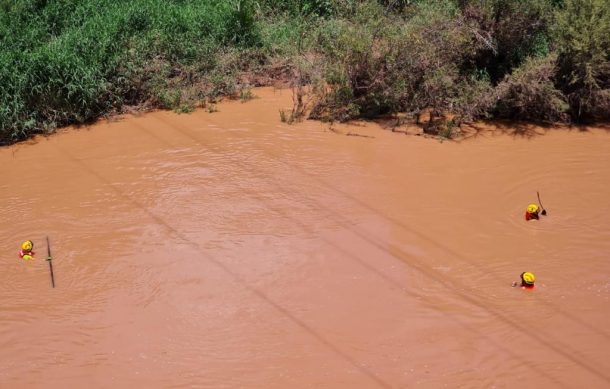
(394, 252)
(518, 129)
(420, 235)
(234, 275)
(436, 276)
(409, 260)
(526, 127)
(308, 329)
(471, 130)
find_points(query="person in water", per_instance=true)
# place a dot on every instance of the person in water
(527, 281)
(26, 252)
(532, 212)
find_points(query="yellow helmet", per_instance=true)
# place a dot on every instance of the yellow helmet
(528, 277)
(27, 245)
(532, 208)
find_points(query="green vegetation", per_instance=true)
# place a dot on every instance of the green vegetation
(72, 61)
(533, 60)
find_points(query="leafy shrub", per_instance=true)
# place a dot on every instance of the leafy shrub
(529, 93)
(389, 65)
(583, 39)
(513, 30)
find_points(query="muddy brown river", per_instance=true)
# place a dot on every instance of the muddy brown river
(230, 250)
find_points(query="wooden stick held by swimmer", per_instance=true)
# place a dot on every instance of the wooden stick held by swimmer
(533, 210)
(540, 202)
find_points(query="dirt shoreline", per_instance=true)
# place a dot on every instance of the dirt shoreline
(398, 124)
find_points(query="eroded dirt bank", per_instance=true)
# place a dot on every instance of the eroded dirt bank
(229, 250)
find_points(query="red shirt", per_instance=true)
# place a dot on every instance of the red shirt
(530, 216)
(22, 253)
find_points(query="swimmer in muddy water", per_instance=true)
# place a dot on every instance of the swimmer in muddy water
(532, 212)
(527, 281)
(26, 252)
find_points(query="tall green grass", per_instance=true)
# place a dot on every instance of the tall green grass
(67, 61)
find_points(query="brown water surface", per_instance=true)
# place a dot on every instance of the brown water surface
(228, 250)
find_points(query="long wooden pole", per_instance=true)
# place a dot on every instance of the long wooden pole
(540, 202)
(50, 260)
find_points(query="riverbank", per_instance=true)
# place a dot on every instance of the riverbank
(543, 61)
(397, 125)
